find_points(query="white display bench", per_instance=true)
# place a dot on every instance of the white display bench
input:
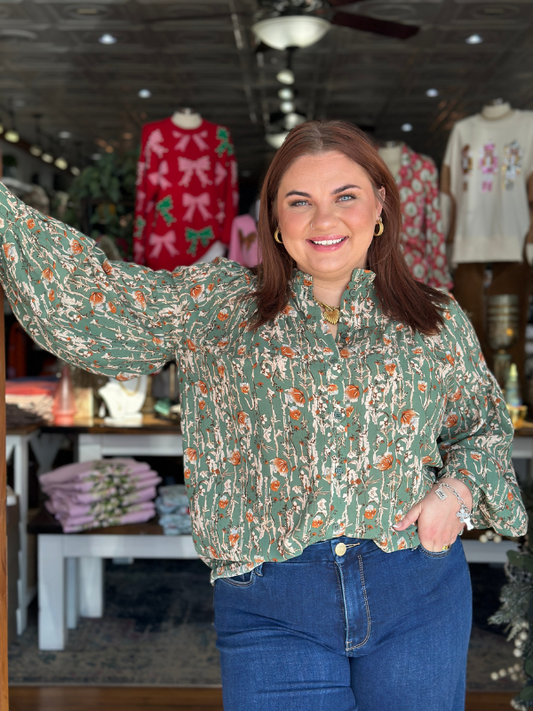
(71, 566)
(18, 441)
(65, 594)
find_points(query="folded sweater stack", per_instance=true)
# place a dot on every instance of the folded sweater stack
(101, 493)
(173, 509)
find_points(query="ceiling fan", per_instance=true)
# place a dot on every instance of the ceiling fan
(301, 23)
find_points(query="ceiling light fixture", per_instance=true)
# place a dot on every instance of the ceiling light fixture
(432, 93)
(47, 158)
(287, 107)
(36, 151)
(145, 93)
(61, 163)
(276, 139)
(474, 39)
(65, 134)
(107, 39)
(286, 94)
(285, 76)
(407, 127)
(12, 136)
(293, 119)
(291, 31)
(75, 170)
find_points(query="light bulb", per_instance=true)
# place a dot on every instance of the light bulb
(286, 94)
(287, 107)
(432, 93)
(96, 156)
(145, 93)
(47, 158)
(107, 39)
(12, 136)
(293, 119)
(474, 39)
(65, 134)
(61, 163)
(75, 170)
(36, 151)
(285, 76)
(407, 127)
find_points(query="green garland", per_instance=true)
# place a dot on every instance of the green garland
(516, 610)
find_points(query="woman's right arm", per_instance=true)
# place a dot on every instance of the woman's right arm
(113, 318)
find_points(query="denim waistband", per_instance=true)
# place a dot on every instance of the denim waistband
(325, 550)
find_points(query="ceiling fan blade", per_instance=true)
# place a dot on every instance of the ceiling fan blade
(371, 24)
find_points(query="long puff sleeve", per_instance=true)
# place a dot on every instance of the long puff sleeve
(477, 434)
(114, 318)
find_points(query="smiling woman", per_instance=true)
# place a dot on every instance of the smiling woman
(334, 205)
(329, 472)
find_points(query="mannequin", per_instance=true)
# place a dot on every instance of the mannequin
(496, 110)
(391, 152)
(187, 191)
(421, 237)
(187, 118)
(487, 178)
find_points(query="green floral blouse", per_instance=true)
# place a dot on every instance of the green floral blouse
(290, 436)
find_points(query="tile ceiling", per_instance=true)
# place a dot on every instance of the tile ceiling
(202, 53)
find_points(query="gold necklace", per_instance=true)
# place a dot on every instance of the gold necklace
(129, 392)
(331, 314)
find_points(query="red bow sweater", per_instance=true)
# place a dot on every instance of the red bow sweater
(187, 193)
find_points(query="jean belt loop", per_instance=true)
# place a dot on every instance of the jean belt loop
(259, 570)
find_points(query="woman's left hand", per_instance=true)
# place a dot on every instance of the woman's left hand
(438, 524)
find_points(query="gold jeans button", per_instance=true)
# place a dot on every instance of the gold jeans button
(340, 549)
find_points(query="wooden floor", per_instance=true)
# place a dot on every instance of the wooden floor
(69, 698)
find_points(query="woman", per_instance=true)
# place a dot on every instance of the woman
(340, 428)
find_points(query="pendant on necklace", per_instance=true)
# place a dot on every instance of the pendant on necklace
(332, 316)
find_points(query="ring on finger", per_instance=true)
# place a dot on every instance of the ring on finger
(445, 548)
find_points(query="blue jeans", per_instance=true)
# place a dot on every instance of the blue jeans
(363, 631)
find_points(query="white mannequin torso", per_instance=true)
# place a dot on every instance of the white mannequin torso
(494, 112)
(186, 119)
(392, 155)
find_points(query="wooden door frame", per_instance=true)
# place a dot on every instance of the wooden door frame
(4, 693)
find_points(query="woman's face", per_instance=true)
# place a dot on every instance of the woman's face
(327, 212)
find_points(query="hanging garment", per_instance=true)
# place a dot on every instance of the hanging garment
(490, 162)
(187, 193)
(244, 246)
(421, 236)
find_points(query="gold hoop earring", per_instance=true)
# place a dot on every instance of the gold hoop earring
(277, 236)
(380, 227)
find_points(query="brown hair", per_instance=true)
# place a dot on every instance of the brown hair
(402, 298)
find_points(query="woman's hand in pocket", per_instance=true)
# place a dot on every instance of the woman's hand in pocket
(437, 521)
